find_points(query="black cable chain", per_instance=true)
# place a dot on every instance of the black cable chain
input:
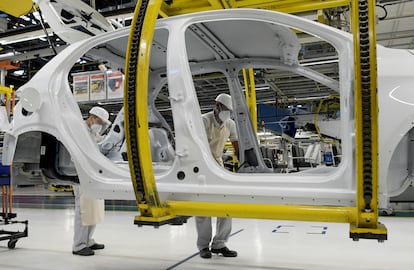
(130, 107)
(366, 102)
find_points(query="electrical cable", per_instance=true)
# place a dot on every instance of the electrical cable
(385, 10)
(42, 22)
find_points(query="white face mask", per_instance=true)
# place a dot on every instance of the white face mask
(224, 116)
(96, 128)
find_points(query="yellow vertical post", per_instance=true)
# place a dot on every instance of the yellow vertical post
(152, 209)
(246, 86)
(366, 122)
(250, 88)
(321, 16)
(252, 100)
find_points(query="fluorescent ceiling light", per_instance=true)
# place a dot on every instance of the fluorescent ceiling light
(320, 62)
(19, 72)
(262, 88)
(264, 133)
(259, 87)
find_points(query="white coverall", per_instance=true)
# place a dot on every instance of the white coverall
(217, 137)
(88, 213)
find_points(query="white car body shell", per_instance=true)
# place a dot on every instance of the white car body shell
(54, 111)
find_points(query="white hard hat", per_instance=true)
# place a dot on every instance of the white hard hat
(225, 100)
(101, 113)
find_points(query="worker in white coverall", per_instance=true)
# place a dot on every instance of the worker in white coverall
(219, 128)
(89, 211)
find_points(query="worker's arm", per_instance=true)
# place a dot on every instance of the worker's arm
(233, 137)
(236, 148)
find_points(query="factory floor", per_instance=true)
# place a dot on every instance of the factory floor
(261, 244)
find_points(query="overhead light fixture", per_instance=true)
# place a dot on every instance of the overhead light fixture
(24, 17)
(19, 72)
(262, 88)
(259, 87)
(320, 62)
(264, 133)
(310, 98)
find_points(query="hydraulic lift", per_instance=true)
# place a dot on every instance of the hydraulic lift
(363, 218)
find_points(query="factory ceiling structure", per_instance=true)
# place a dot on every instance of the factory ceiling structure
(29, 42)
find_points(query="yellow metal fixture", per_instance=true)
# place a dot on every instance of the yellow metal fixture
(6, 90)
(265, 211)
(178, 7)
(150, 207)
(320, 109)
(16, 8)
(366, 121)
(363, 218)
(250, 89)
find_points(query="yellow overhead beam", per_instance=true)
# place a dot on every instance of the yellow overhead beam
(303, 6)
(216, 4)
(178, 7)
(227, 3)
(16, 8)
(163, 10)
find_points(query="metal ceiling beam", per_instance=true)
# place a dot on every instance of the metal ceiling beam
(17, 56)
(395, 35)
(25, 36)
(276, 89)
(399, 17)
(407, 45)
